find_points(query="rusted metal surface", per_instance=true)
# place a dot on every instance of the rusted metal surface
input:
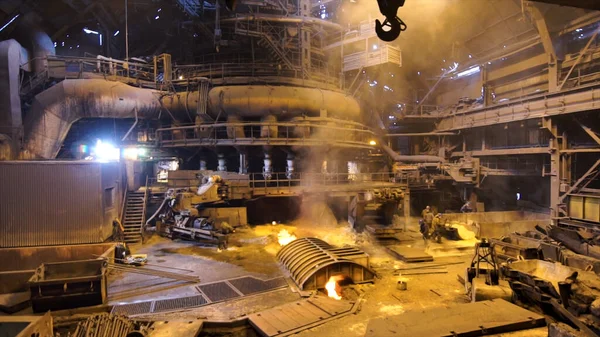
(556, 289)
(67, 285)
(473, 319)
(295, 317)
(209, 293)
(26, 326)
(54, 203)
(311, 261)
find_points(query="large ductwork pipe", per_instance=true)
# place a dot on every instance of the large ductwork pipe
(34, 39)
(261, 100)
(285, 19)
(56, 109)
(411, 159)
(11, 56)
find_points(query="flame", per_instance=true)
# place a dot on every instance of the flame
(284, 237)
(332, 287)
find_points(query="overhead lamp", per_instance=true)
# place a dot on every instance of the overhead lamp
(372, 142)
(89, 31)
(9, 22)
(116, 33)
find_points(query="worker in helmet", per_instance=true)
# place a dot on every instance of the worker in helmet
(437, 228)
(425, 211)
(428, 217)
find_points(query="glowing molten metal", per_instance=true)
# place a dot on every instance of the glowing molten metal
(284, 237)
(333, 288)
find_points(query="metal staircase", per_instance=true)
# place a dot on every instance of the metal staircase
(134, 215)
(269, 36)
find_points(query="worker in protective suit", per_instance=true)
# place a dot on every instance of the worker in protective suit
(437, 228)
(424, 229)
(428, 217)
(118, 231)
(425, 211)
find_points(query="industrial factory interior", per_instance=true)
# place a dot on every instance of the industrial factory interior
(270, 168)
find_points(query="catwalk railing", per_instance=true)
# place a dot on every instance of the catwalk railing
(339, 134)
(301, 180)
(67, 67)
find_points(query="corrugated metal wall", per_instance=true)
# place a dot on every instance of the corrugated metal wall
(53, 203)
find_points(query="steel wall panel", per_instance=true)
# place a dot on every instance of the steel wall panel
(576, 207)
(591, 209)
(51, 203)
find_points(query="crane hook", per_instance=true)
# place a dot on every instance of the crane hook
(389, 9)
(396, 26)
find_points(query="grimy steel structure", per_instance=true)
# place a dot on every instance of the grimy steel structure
(288, 79)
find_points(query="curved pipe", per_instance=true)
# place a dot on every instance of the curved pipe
(32, 37)
(411, 159)
(261, 100)
(56, 109)
(285, 19)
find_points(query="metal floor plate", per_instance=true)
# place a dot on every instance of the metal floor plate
(209, 293)
(179, 303)
(217, 292)
(132, 309)
(250, 285)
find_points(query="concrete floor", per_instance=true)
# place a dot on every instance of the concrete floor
(252, 252)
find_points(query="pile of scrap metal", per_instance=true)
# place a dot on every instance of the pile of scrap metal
(177, 216)
(572, 247)
(104, 325)
(569, 295)
(68, 285)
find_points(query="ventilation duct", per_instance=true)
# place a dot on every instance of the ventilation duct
(56, 109)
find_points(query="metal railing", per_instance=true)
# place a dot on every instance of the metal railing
(257, 181)
(67, 67)
(341, 134)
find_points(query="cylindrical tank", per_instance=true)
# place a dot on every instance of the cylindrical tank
(260, 100)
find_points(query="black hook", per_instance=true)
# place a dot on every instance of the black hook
(389, 9)
(396, 26)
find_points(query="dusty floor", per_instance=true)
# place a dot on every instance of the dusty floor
(252, 251)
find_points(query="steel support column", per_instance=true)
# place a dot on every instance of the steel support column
(553, 63)
(558, 169)
(406, 206)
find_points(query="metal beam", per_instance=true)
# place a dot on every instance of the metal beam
(586, 150)
(590, 132)
(581, 99)
(592, 173)
(502, 152)
(501, 172)
(422, 134)
(585, 4)
(544, 33)
(581, 54)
